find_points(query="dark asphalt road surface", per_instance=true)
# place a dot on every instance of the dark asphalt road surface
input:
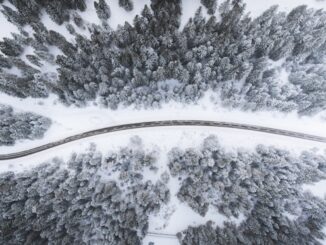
(163, 124)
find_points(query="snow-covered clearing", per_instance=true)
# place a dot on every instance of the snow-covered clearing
(189, 10)
(318, 189)
(71, 120)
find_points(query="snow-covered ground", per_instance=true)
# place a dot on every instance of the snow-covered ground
(318, 189)
(189, 10)
(71, 120)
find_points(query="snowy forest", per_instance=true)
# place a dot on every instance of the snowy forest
(242, 96)
(264, 186)
(17, 126)
(96, 198)
(239, 58)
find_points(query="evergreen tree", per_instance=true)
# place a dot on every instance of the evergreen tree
(211, 5)
(18, 126)
(126, 4)
(102, 9)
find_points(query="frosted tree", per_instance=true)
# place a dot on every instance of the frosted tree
(79, 194)
(102, 10)
(211, 5)
(126, 4)
(11, 47)
(249, 184)
(18, 126)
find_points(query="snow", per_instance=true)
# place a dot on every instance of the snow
(90, 13)
(6, 27)
(28, 50)
(290, 216)
(161, 139)
(283, 74)
(119, 15)
(157, 240)
(55, 50)
(165, 138)
(51, 25)
(14, 71)
(254, 7)
(29, 29)
(46, 66)
(67, 120)
(189, 10)
(257, 7)
(323, 241)
(283, 78)
(178, 215)
(175, 216)
(318, 189)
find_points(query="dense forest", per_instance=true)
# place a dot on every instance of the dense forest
(264, 186)
(90, 199)
(274, 62)
(243, 60)
(17, 126)
(96, 198)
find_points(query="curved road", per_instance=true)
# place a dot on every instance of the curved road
(163, 124)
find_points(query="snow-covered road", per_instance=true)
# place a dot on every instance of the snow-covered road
(169, 123)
